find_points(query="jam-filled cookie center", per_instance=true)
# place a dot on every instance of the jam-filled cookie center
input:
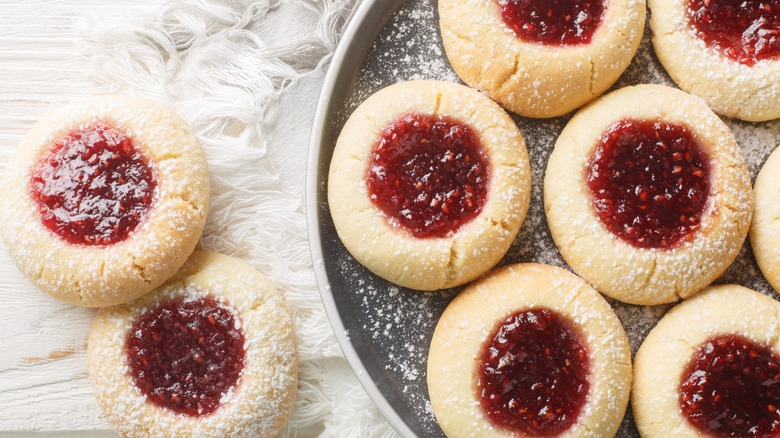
(93, 186)
(186, 356)
(533, 373)
(731, 388)
(428, 174)
(650, 182)
(553, 22)
(745, 31)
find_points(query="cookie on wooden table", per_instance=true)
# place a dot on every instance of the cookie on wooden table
(429, 184)
(212, 352)
(104, 200)
(647, 195)
(541, 58)
(726, 52)
(529, 350)
(711, 367)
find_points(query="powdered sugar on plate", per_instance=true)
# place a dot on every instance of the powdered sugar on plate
(391, 327)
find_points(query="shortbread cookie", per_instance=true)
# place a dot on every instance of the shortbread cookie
(104, 199)
(543, 58)
(429, 184)
(711, 367)
(529, 350)
(765, 230)
(647, 195)
(726, 52)
(212, 352)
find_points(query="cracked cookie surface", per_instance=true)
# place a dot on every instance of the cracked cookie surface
(680, 380)
(212, 352)
(529, 350)
(538, 78)
(453, 255)
(627, 240)
(721, 62)
(106, 198)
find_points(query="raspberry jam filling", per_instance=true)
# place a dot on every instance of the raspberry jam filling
(553, 22)
(428, 174)
(186, 356)
(731, 388)
(93, 186)
(745, 31)
(533, 373)
(650, 183)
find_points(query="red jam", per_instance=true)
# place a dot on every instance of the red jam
(93, 186)
(553, 22)
(185, 356)
(745, 31)
(650, 183)
(533, 374)
(428, 174)
(731, 388)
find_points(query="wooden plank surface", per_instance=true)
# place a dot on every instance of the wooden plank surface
(43, 366)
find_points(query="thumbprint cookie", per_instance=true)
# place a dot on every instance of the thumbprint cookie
(541, 58)
(211, 352)
(104, 200)
(529, 351)
(727, 52)
(429, 184)
(765, 230)
(647, 195)
(711, 367)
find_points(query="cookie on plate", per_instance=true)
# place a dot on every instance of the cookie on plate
(541, 58)
(429, 184)
(711, 367)
(765, 230)
(726, 52)
(212, 352)
(647, 195)
(104, 200)
(529, 350)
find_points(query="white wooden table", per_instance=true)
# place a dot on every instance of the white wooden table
(43, 366)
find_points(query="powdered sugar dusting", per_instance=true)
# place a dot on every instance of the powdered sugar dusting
(96, 276)
(391, 327)
(730, 87)
(409, 48)
(262, 399)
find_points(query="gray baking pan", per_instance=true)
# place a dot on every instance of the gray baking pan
(383, 329)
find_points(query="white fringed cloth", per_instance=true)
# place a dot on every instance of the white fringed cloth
(246, 75)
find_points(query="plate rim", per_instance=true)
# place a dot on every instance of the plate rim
(346, 46)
